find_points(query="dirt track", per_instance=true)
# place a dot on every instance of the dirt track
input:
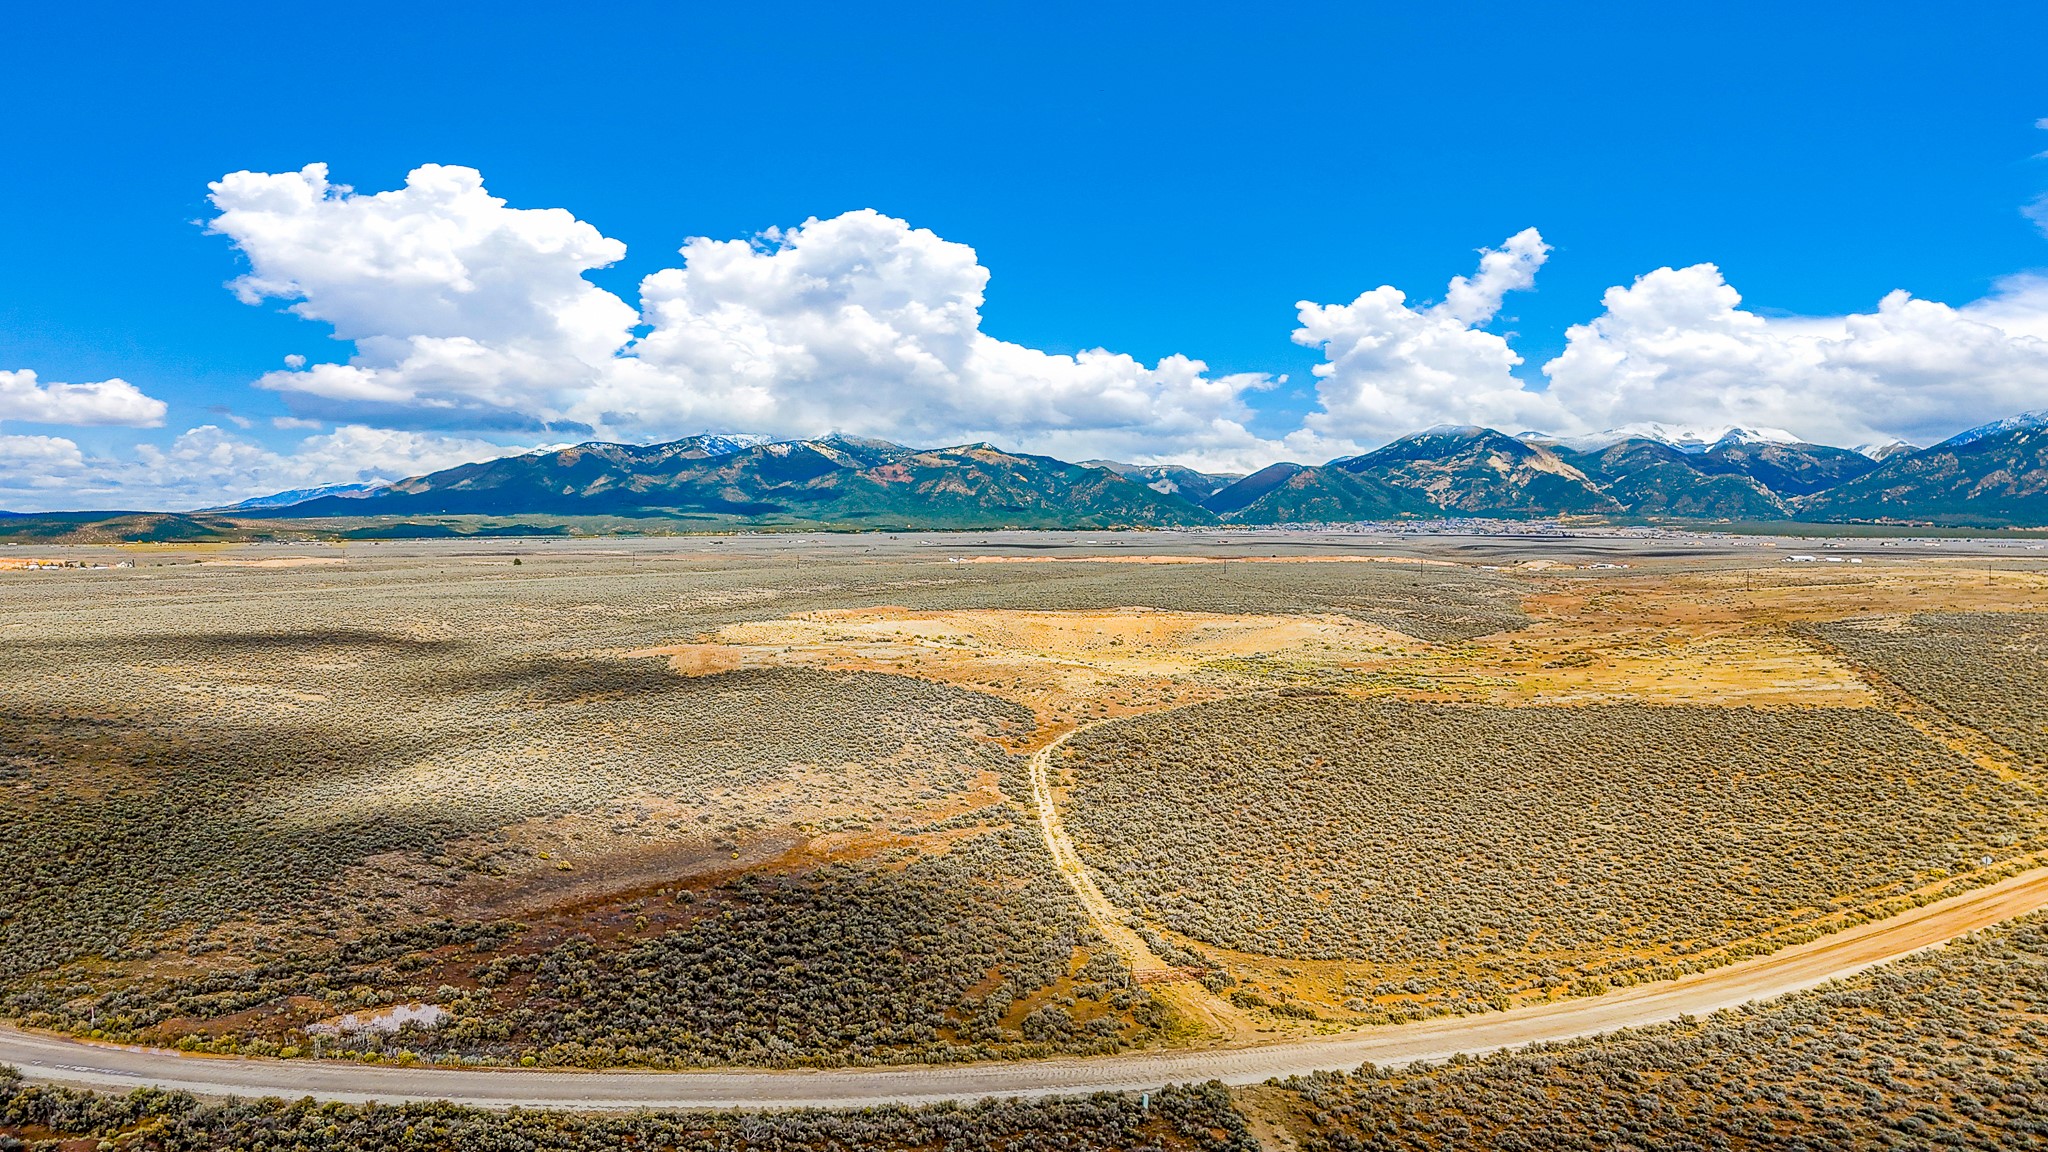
(107, 1067)
(1101, 913)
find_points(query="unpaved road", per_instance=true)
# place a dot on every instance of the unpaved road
(1101, 913)
(108, 1067)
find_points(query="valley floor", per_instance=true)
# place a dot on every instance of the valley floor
(1014, 813)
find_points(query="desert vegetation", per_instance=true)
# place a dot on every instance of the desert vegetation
(175, 785)
(232, 815)
(214, 798)
(1945, 1049)
(1986, 671)
(1515, 850)
(1433, 602)
(603, 807)
(974, 952)
(1189, 1119)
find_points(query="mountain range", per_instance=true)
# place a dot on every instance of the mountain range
(836, 480)
(1992, 476)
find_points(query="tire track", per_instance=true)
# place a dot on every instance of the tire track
(1106, 918)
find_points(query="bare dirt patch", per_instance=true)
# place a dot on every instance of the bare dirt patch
(278, 562)
(1067, 667)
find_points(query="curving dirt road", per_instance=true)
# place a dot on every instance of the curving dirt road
(109, 1067)
(1102, 914)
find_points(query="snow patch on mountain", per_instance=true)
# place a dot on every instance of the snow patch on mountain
(301, 495)
(727, 443)
(2038, 419)
(1686, 438)
(1885, 450)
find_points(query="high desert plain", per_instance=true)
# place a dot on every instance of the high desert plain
(1311, 820)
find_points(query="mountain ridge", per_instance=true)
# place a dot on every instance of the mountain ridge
(1993, 475)
(833, 480)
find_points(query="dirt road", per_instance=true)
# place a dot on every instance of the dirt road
(1102, 914)
(108, 1067)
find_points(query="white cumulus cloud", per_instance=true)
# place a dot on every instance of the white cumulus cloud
(1391, 368)
(468, 315)
(39, 461)
(43, 473)
(867, 325)
(463, 311)
(106, 402)
(208, 465)
(466, 312)
(1677, 346)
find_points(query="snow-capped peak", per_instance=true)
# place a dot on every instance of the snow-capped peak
(711, 444)
(301, 495)
(1756, 436)
(2038, 419)
(1685, 438)
(725, 444)
(1883, 450)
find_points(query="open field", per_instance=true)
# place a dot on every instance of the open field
(770, 800)
(1983, 672)
(1471, 856)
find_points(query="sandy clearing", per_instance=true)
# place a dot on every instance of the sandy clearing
(1065, 666)
(1643, 642)
(276, 562)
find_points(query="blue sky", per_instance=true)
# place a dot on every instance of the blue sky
(1139, 178)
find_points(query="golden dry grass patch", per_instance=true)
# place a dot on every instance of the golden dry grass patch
(1720, 637)
(1066, 666)
(1651, 641)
